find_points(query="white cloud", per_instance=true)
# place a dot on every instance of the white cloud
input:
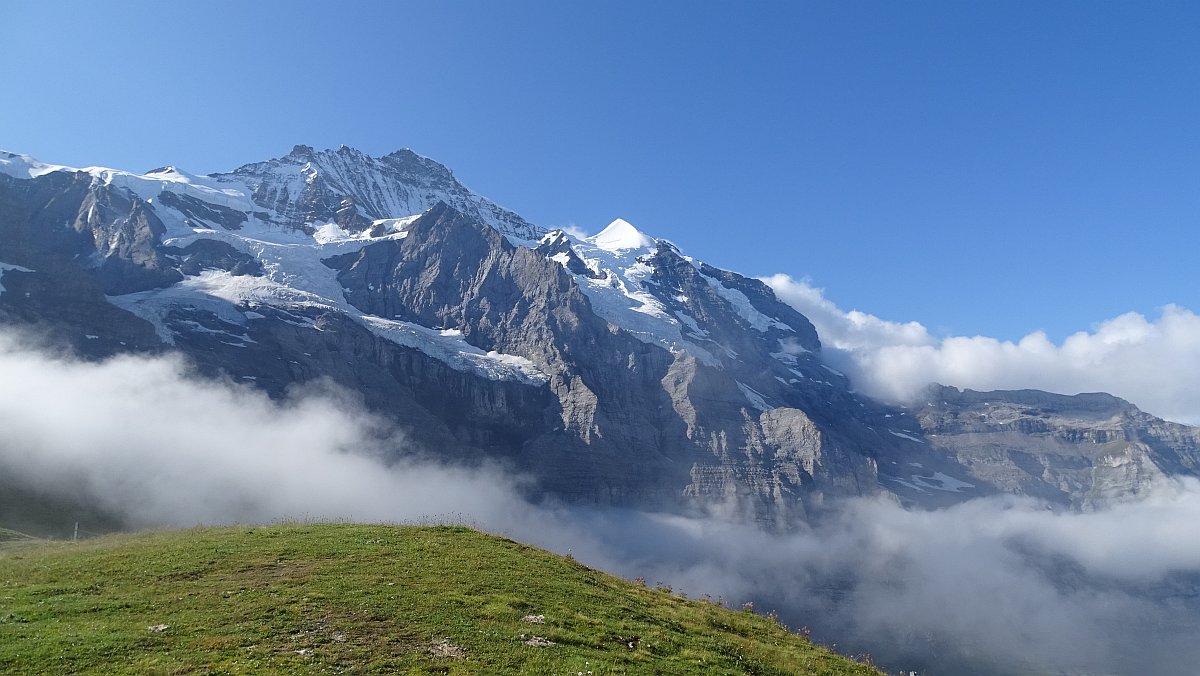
(1154, 364)
(999, 585)
(141, 439)
(575, 231)
(991, 586)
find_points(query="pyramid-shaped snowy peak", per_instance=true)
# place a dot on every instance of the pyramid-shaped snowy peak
(621, 235)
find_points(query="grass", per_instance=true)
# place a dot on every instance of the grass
(12, 537)
(360, 599)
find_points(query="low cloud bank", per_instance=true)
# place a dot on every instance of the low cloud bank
(994, 585)
(1153, 363)
(147, 442)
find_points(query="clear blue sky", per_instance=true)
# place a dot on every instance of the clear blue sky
(981, 167)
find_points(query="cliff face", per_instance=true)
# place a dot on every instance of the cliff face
(633, 422)
(1084, 451)
(612, 370)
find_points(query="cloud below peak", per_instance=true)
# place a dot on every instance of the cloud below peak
(999, 585)
(1154, 364)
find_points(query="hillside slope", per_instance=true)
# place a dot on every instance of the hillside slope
(384, 599)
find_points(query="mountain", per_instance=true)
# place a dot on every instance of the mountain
(612, 370)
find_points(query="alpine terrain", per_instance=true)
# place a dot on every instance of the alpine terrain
(614, 370)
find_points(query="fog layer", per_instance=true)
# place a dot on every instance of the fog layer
(998, 584)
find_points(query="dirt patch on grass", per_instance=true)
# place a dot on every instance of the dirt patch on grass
(347, 637)
(271, 571)
(444, 648)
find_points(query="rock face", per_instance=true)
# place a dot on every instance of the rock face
(1084, 451)
(614, 370)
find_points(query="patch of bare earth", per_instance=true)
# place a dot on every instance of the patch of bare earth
(444, 648)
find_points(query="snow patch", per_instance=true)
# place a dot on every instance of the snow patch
(395, 224)
(7, 267)
(394, 228)
(942, 482)
(448, 345)
(786, 358)
(744, 308)
(694, 328)
(756, 400)
(902, 482)
(330, 232)
(215, 291)
(905, 436)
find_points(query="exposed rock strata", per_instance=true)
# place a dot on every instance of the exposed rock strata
(740, 415)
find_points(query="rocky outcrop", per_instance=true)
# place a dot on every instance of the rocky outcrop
(198, 213)
(556, 246)
(212, 254)
(1082, 451)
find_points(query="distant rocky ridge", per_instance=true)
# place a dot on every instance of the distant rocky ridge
(1085, 451)
(614, 370)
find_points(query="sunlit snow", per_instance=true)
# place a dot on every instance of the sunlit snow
(741, 304)
(620, 235)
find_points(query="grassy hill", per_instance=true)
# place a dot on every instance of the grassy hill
(341, 598)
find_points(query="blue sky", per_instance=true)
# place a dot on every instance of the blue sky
(982, 168)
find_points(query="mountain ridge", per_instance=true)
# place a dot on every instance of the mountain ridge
(615, 369)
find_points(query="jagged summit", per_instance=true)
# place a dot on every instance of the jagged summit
(403, 158)
(349, 187)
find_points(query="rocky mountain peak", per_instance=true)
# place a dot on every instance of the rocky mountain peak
(556, 246)
(407, 161)
(308, 187)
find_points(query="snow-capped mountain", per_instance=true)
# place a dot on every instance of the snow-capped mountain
(351, 189)
(614, 369)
